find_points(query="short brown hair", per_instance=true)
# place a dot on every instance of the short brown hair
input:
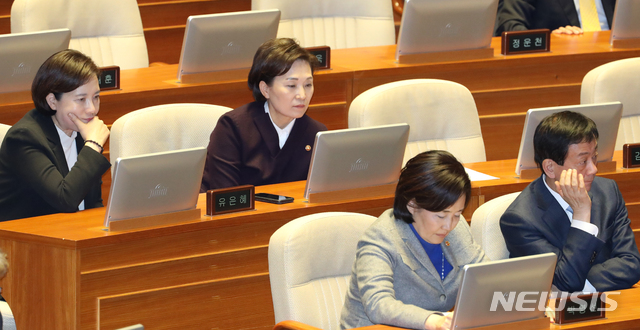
(61, 73)
(434, 180)
(274, 58)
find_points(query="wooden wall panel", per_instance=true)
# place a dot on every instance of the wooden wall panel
(167, 13)
(167, 273)
(5, 7)
(501, 135)
(42, 268)
(5, 24)
(240, 303)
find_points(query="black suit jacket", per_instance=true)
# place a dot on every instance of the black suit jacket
(518, 15)
(244, 149)
(536, 223)
(34, 176)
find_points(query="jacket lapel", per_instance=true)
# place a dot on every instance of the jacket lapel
(49, 130)
(413, 245)
(570, 11)
(554, 217)
(268, 132)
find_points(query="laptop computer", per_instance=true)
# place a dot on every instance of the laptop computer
(226, 41)
(488, 294)
(356, 158)
(155, 183)
(605, 115)
(22, 54)
(625, 20)
(443, 25)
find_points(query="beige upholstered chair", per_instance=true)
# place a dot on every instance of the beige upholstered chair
(442, 115)
(310, 261)
(109, 31)
(3, 131)
(485, 226)
(617, 81)
(163, 128)
(334, 23)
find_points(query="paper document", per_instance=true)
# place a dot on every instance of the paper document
(477, 176)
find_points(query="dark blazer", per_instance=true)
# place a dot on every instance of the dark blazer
(34, 176)
(244, 149)
(518, 15)
(536, 223)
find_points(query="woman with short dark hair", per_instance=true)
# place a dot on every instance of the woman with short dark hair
(270, 140)
(51, 160)
(408, 264)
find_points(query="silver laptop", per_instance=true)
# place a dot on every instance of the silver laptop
(356, 158)
(489, 291)
(225, 41)
(155, 183)
(22, 54)
(626, 24)
(605, 115)
(445, 25)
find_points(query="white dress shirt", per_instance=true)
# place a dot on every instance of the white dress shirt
(584, 226)
(70, 151)
(283, 133)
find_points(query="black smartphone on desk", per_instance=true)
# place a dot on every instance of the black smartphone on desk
(271, 198)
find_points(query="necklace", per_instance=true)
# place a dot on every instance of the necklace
(442, 273)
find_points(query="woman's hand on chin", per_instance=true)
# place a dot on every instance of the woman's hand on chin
(94, 130)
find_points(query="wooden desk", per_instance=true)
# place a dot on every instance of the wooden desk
(503, 87)
(625, 317)
(68, 273)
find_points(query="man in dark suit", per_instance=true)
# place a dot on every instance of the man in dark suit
(571, 212)
(559, 16)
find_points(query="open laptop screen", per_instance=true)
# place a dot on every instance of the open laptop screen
(22, 54)
(356, 158)
(488, 290)
(225, 41)
(445, 25)
(605, 115)
(155, 183)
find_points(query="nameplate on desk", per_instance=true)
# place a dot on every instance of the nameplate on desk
(631, 155)
(323, 54)
(580, 308)
(522, 42)
(232, 199)
(109, 78)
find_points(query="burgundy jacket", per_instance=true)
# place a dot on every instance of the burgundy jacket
(243, 149)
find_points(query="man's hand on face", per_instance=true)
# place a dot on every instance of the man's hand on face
(572, 189)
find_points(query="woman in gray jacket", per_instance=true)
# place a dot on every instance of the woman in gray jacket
(408, 263)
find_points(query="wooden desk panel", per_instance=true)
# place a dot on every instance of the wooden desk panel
(504, 87)
(625, 317)
(80, 275)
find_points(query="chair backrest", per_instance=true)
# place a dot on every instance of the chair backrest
(617, 81)
(163, 128)
(8, 320)
(442, 115)
(3, 131)
(485, 226)
(310, 261)
(109, 31)
(334, 23)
